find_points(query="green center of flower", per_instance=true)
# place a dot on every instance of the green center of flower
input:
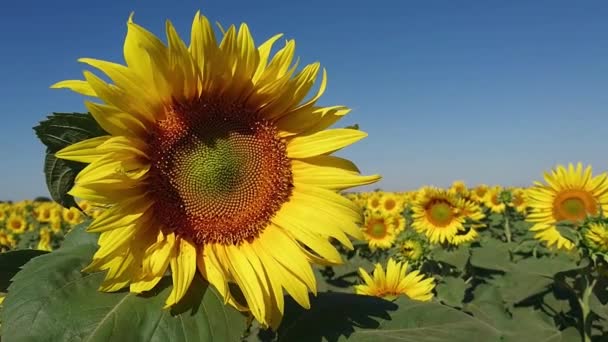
(378, 229)
(440, 214)
(574, 205)
(219, 176)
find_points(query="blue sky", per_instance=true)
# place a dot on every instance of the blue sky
(484, 91)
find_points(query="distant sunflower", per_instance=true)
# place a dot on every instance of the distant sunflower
(6, 240)
(379, 230)
(464, 235)
(214, 157)
(398, 223)
(374, 201)
(16, 224)
(411, 250)
(459, 188)
(436, 215)
(391, 204)
(596, 237)
(44, 243)
(493, 200)
(397, 281)
(72, 216)
(570, 195)
(478, 194)
(519, 201)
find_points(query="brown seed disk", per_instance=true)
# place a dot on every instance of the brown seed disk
(219, 172)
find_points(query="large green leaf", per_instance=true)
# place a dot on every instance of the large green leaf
(457, 257)
(51, 300)
(492, 255)
(341, 316)
(11, 262)
(56, 132)
(63, 129)
(451, 291)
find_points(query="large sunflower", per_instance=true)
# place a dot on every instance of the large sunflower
(570, 195)
(213, 158)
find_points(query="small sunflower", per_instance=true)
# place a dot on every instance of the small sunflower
(7, 240)
(16, 224)
(44, 243)
(397, 281)
(596, 237)
(459, 188)
(494, 201)
(374, 201)
(398, 223)
(436, 215)
(571, 194)
(411, 249)
(2, 215)
(391, 204)
(379, 230)
(519, 201)
(215, 155)
(464, 235)
(72, 216)
(478, 194)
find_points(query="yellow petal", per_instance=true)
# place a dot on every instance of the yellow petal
(322, 142)
(78, 86)
(84, 151)
(183, 267)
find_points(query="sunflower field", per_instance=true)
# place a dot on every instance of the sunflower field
(199, 199)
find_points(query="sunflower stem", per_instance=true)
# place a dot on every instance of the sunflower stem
(586, 310)
(507, 228)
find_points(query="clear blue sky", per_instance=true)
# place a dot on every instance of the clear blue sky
(484, 91)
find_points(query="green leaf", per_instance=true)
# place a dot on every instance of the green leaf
(56, 132)
(568, 232)
(51, 300)
(60, 175)
(531, 325)
(487, 305)
(492, 255)
(457, 257)
(63, 129)
(341, 317)
(451, 291)
(11, 262)
(79, 236)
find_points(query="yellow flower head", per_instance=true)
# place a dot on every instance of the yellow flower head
(459, 188)
(411, 250)
(374, 201)
(437, 214)
(7, 240)
(16, 224)
(518, 200)
(478, 194)
(571, 194)
(379, 230)
(395, 282)
(215, 155)
(72, 216)
(493, 200)
(596, 237)
(44, 243)
(391, 204)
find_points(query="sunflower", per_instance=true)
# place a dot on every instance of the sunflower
(596, 237)
(391, 204)
(44, 243)
(2, 214)
(6, 240)
(478, 194)
(436, 214)
(411, 249)
(570, 195)
(395, 282)
(213, 158)
(379, 230)
(16, 224)
(459, 188)
(494, 201)
(518, 200)
(45, 212)
(72, 216)
(374, 201)
(398, 223)
(464, 235)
